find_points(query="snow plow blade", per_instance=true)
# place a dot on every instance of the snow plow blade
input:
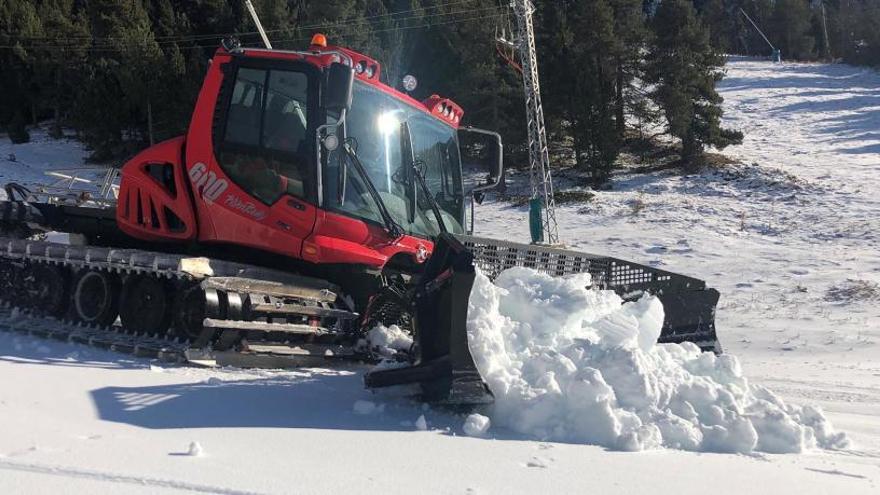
(444, 367)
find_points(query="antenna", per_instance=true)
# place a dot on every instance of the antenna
(256, 19)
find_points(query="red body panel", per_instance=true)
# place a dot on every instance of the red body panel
(144, 201)
(340, 239)
(219, 211)
(232, 215)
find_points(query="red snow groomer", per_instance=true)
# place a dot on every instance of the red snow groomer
(307, 203)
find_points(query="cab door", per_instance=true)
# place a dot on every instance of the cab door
(256, 182)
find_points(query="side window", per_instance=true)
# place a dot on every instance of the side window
(285, 119)
(265, 146)
(243, 119)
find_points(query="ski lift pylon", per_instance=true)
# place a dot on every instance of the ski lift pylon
(505, 44)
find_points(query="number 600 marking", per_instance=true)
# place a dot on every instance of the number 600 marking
(208, 185)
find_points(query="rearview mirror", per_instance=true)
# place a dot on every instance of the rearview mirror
(338, 92)
(488, 151)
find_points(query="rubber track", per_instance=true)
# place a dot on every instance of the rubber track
(113, 338)
(114, 260)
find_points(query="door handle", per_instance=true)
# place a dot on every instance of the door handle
(296, 205)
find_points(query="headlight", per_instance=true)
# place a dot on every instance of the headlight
(410, 83)
(388, 123)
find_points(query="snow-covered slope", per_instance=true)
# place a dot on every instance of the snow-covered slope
(27, 163)
(791, 244)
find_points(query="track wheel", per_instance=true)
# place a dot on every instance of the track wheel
(47, 289)
(189, 313)
(96, 297)
(145, 305)
(7, 279)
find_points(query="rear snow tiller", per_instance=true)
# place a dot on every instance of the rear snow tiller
(308, 202)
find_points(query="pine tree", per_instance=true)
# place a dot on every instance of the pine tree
(19, 27)
(396, 38)
(854, 29)
(126, 64)
(456, 57)
(182, 66)
(630, 37)
(594, 60)
(580, 56)
(719, 17)
(343, 21)
(685, 68)
(59, 65)
(790, 27)
(761, 12)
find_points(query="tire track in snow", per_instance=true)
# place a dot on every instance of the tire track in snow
(88, 474)
(833, 392)
(837, 472)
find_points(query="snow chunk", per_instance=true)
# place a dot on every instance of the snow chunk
(195, 450)
(422, 423)
(572, 364)
(388, 340)
(476, 425)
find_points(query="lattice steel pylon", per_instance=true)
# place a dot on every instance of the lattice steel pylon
(539, 156)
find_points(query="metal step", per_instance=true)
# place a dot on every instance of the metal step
(296, 287)
(275, 356)
(280, 308)
(262, 326)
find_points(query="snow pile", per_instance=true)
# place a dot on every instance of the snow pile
(576, 365)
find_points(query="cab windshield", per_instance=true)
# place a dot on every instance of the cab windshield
(374, 127)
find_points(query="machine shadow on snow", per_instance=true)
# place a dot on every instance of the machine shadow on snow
(325, 399)
(321, 399)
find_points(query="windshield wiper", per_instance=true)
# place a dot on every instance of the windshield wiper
(393, 228)
(431, 200)
(410, 163)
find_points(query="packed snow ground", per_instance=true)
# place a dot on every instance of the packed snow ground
(791, 244)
